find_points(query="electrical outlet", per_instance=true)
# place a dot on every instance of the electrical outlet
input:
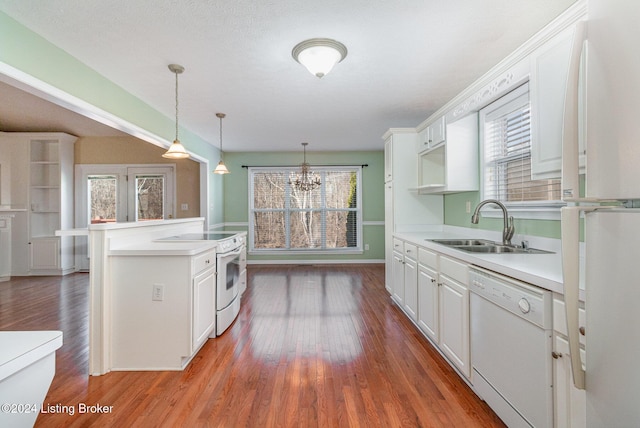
(468, 207)
(184, 207)
(158, 292)
(366, 247)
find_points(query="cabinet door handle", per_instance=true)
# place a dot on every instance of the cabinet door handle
(556, 355)
(582, 331)
(433, 280)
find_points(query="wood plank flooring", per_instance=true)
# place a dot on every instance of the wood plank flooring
(313, 346)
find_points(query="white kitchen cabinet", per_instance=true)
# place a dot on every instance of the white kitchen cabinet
(398, 277)
(388, 159)
(163, 309)
(411, 281)
(405, 209)
(547, 87)
(451, 165)
(204, 294)
(569, 402)
(432, 135)
(454, 313)
(428, 294)
(5, 247)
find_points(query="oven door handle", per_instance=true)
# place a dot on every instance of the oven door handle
(232, 253)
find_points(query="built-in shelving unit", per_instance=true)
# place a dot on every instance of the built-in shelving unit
(50, 202)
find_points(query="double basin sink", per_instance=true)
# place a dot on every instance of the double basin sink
(485, 246)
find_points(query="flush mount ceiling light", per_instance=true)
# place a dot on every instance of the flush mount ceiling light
(319, 55)
(305, 180)
(221, 168)
(176, 150)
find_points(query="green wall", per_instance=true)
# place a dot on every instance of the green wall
(455, 214)
(26, 51)
(236, 191)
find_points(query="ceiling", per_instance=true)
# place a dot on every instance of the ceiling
(406, 59)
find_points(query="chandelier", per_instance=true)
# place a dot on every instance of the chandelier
(305, 180)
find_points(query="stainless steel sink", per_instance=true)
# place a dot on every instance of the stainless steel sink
(498, 249)
(485, 246)
(456, 242)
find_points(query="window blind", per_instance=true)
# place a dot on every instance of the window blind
(507, 153)
(284, 218)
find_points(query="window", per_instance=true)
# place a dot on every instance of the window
(505, 130)
(326, 219)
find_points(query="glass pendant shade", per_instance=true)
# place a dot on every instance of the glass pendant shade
(319, 55)
(221, 168)
(176, 151)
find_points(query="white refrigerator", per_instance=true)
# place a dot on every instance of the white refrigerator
(605, 77)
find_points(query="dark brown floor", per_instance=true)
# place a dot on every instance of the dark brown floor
(312, 346)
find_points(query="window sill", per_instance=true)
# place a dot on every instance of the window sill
(551, 212)
(275, 252)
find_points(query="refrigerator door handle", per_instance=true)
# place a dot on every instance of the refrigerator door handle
(570, 234)
(570, 128)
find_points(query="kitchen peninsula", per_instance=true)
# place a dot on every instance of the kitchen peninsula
(152, 303)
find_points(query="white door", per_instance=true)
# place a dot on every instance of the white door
(411, 288)
(120, 193)
(428, 301)
(398, 278)
(454, 323)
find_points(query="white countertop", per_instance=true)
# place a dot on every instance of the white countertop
(542, 270)
(163, 248)
(18, 349)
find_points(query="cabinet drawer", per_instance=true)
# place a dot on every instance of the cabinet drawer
(560, 318)
(204, 261)
(454, 269)
(398, 245)
(411, 251)
(428, 258)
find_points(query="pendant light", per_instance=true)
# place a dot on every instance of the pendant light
(319, 55)
(176, 150)
(221, 168)
(305, 180)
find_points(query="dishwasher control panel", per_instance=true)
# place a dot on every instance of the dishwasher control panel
(527, 301)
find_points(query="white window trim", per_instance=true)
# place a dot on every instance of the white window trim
(305, 251)
(543, 210)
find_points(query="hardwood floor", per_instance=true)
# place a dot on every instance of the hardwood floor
(312, 346)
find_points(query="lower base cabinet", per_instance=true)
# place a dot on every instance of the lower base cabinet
(454, 313)
(164, 309)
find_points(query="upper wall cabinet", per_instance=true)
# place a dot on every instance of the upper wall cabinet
(432, 135)
(451, 165)
(547, 86)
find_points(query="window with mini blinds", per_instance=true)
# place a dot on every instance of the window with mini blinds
(325, 219)
(505, 129)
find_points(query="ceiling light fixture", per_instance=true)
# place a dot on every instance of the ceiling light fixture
(176, 150)
(305, 180)
(319, 55)
(221, 168)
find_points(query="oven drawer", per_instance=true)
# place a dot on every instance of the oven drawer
(204, 261)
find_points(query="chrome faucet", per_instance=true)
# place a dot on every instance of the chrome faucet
(509, 229)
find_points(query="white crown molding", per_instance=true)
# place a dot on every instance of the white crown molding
(392, 131)
(495, 80)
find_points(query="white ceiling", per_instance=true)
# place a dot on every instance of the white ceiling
(406, 59)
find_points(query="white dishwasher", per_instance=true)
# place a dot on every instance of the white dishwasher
(511, 344)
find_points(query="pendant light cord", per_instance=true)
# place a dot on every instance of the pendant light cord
(176, 73)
